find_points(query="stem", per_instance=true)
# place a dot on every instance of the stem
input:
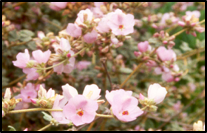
(91, 125)
(45, 127)
(63, 60)
(202, 21)
(140, 64)
(13, 82)
(179, 32)
(103, 61)
(45, 19)
(32, 110)
(105, 116)
(191, 53)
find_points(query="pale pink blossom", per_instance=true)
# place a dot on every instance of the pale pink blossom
(123, 105)
(80, 110)
(157, 93)
(28, 92)
(22, 59)
(103, 26)
(58, 5)
(165, 54)
(41, 57)
(121, 23)
(195, 13)
(74, 30)
(31, 73)
(97, 12)
(92, 92)
(3, 114)
(167, 76)
(57, 115)
(84, 16)
(90, 37)
(110, 95)
(82, 65)
(143, 46)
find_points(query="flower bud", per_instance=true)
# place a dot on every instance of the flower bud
(7, 94)
(42, 92)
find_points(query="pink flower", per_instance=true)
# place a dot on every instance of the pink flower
(157, 93)
(31, 73)
(28, 92)
(195, 13)
(110, 95)
(65, 47)
(82, 65)
(103, 26)
(80, 110)
(57, 115)
(143, 46)
(83, 16)
(90, 37)
(74, 30)
(58, 5)
(92, 92)
(164, 54)
(97, 12)
(120, 23)
(22, 59)
(41, 57)
(123, 105)
(167, 76)
(98, 4)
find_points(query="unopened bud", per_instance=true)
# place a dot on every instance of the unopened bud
(7, 94)
(42, 92)
(152, 108)
(165, 42)
(68, 55)
(106, 49)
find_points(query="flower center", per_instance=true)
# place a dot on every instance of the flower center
(121, 27)
(28, 97)
(80, 112)
(125, 113)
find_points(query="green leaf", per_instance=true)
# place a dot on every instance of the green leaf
(47, 117)
(25, 35)
(11, 128)
(125, 70)
(13, 36)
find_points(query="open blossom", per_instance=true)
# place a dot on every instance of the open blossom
(82, 65)
(157, 93)
(57, 115)
(90, 37)
(143, 46)
(165, 54)
(121, 23)
(58, 5)
(22, 59)
(80, 110)
(123, 105)
(31, 73)
(28, 92)
(74, 30)
(64, 47)
(103, 26)
(41, 57)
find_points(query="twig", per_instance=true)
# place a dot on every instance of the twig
(45, 127)
(14, 5)
(140, 64)
(103, 61)
(14, 81)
